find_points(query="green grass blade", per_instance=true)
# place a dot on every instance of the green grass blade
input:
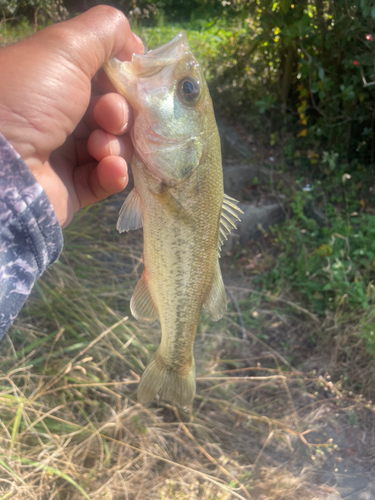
(16, 425)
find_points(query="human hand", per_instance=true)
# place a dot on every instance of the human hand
(66, 125)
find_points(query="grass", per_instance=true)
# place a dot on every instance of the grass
(71, 426)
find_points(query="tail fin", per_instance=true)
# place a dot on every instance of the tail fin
(174, 387)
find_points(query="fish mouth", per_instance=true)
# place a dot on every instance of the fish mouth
(145, 65)
(124, 75)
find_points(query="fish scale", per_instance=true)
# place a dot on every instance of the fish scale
(178, 197)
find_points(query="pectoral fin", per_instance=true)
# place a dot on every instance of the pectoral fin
(174, 207)
(216, 304)
(141, 304)
(131, 215)
(229, 217)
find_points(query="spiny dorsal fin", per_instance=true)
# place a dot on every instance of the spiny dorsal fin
(216, 304)
(130, 216)
(141, 304)
(229, 217)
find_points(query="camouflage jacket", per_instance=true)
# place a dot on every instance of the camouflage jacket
(30, 235)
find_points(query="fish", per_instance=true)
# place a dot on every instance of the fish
(178, 199)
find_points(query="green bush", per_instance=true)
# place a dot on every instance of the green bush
(16, 9)
(327, 268)
(306, 66)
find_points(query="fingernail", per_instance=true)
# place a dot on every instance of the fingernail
(139, 41)
(124, 117)
(125, 178)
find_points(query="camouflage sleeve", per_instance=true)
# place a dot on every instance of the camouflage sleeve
(30, 235)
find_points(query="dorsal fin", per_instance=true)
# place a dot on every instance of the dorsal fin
(229, 217)
(131, 214)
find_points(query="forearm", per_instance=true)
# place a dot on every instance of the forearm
(30, 235)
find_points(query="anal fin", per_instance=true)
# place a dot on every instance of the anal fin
(131, 215)
(216, 304)
(141, 304)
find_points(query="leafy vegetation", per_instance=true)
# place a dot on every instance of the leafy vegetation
(306, 67)
(13, 10)
(327, 269)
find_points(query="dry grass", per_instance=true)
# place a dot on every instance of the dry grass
(71, 427)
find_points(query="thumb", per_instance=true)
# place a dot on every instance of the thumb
(91, 38)
(46, 86)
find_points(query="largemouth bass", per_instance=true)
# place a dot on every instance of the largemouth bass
(179, 200)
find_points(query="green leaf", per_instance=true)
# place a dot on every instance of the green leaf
(285, 5)
(321, 73)
(373, 12)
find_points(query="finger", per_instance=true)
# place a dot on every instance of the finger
(96, 181)
(95, 36)
(101, 144)
(111, 112)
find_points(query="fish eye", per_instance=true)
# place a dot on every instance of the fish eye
(189, 90)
